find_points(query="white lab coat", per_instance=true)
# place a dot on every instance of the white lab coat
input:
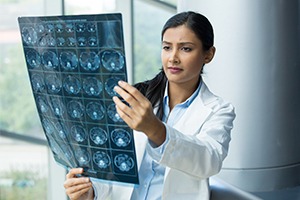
(198, 144)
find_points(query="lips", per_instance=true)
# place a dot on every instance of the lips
(174, 70)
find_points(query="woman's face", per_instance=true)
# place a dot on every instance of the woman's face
(183, 56)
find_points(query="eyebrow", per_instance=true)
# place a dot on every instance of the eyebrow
(180, 43)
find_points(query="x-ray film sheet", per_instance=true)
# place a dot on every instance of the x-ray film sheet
(73, 63)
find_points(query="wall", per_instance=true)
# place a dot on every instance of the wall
(257, 67)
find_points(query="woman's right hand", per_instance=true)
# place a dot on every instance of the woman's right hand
(78, 188)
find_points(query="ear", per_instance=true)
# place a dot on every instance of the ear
(209, 54)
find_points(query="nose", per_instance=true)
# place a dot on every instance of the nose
(174, 58)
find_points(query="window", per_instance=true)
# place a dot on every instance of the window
(89, 7)
(18, 113)
(148, 22)
(24, 166)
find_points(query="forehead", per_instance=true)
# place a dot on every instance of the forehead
(180, 34)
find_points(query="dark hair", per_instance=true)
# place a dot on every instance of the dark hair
(198, 23)
(154, 89)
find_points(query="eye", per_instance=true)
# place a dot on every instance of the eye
(186, 49)
(166, 47)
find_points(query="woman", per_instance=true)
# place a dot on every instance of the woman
(184, 128)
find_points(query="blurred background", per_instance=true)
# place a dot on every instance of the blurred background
(256, 67)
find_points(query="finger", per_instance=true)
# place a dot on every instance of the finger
(122, 109)
(141, 103)
(76, 181)
(72, 173)
(123, 106)
(131, 100)
(136, 106)
(131, 90)
(78, 187)
(76, 193)
(127, 119)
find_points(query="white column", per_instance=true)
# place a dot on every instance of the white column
(257, 68)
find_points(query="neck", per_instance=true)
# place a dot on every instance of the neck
(179, 93)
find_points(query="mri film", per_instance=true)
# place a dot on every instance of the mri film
(74, 62)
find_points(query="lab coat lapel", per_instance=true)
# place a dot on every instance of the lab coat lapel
(196, 114)
(191, 122)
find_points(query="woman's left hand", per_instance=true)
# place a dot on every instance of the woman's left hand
(139, 115)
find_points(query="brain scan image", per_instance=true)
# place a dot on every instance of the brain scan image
(67, 155)
(68, 60)
(98, 135)
(92, 41)
(48, 127)
(51, 41)
(110, 83)
(67, 151)
(91, 27)
(123, 162)
(40, 28)
(120, 137)
(89, 61)
(72, 85)
(80, 27)
(95, 110)
(49, 28)
(61, 41)
(29, 35)
(54, 146)
(101, 159)
(112, 60)
(37, 83)
(82, 41)
(59, 28)
(50, 60)
(53, 83)
(42, 42)
(33, 58)
(82, 156)
(75, 109)
(113, 114)
(47, 41)
(71, 42)
(78, 133)
(57, 106)
(62, 130)
(42, 104)
(74, 62)
(92, 86)
(70, 27)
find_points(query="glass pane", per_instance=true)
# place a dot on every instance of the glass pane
(18, 113)
(147, 39)
(169, 2)
(24, 166)
(23, 170)
(89, 7)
